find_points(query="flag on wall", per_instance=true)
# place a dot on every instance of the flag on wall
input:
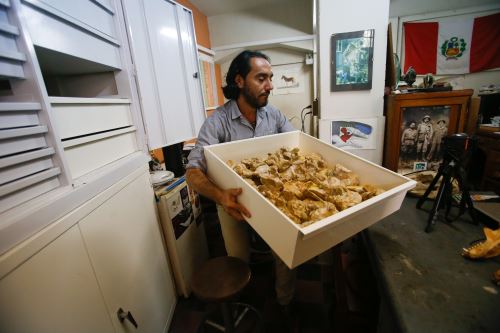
(453, 46)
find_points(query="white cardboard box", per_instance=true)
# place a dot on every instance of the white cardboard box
(292, 243)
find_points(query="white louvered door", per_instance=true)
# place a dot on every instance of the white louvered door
(29, 166)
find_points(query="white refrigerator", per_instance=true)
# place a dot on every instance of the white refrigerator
(184, 232)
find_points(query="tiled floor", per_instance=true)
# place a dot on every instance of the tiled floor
(316, 305)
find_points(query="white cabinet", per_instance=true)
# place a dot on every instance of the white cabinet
(71, 253)
(111, 257)
(79, 28)
(125, 248)
(164, 54)
(55, 291)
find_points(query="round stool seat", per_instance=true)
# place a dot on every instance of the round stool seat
(220, 279)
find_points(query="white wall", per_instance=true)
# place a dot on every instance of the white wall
(287, 19)
(412, 7)
(290, 104)
(256, 27)
(426, 10)
(346, 16)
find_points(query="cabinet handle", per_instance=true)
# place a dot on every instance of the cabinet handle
(195, 75)
(122, 315)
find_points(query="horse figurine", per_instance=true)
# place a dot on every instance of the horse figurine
(288, 79)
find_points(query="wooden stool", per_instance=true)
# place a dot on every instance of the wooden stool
(220, 280)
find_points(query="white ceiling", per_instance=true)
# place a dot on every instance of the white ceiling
(219, 7)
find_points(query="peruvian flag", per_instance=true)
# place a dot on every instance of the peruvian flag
(453, 46)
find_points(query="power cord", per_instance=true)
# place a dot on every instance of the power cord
(303, 116)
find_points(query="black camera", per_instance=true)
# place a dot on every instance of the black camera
(457, 146)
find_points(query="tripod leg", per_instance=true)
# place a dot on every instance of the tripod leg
(472, 211)
(462, 183)
(424, 197)
(437, 203)
(448, 196)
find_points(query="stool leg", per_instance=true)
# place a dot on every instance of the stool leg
(228, 319)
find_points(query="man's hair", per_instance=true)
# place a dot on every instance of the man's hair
(240, 65)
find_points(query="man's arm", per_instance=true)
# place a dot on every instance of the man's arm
(199, 182)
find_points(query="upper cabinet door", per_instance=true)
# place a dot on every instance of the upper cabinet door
(165, 59)
(191, 61)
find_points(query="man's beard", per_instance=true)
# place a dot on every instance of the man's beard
(252, 100)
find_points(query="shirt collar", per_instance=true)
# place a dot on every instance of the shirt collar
(236, 113)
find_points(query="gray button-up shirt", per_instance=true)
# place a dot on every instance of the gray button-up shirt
(228, 124)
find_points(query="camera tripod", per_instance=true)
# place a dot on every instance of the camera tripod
(451, 168)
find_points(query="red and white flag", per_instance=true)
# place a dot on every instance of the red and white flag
(453, 46)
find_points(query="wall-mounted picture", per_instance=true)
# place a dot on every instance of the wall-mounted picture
(422, 132)
(354, 134)
(352, 60)
(287, 80)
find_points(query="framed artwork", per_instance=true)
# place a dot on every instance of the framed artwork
(416, 124)
(422, 131)
(288, 80)
(354, 133)
(352, 60)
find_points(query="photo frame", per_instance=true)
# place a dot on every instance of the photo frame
(416, 124)
(352, 60)
(422, 131)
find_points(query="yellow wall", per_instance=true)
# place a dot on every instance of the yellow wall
(200, 24)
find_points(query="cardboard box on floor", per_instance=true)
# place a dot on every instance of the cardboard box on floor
(292, 243)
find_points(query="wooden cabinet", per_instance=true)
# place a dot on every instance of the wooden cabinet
(402, 110)
(488, 142)
(111, 257)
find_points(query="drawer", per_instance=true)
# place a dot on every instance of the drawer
(54, 33)
(92, 152)
(292, 243)
(80, 116)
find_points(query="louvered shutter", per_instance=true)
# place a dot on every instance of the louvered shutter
(26, 166)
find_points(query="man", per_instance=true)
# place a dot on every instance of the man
(408, 141)
(424, 135)
(246, 115)
(437, 138)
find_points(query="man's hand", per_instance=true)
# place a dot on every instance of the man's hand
(229, 200)
(199, 182)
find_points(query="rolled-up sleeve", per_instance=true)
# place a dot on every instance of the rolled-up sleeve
(208, 136)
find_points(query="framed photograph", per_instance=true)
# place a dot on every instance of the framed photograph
(422, 132)
(416, 125)
(352, 60)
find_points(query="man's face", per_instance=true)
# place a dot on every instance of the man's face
(412, 125)
(257, 85)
